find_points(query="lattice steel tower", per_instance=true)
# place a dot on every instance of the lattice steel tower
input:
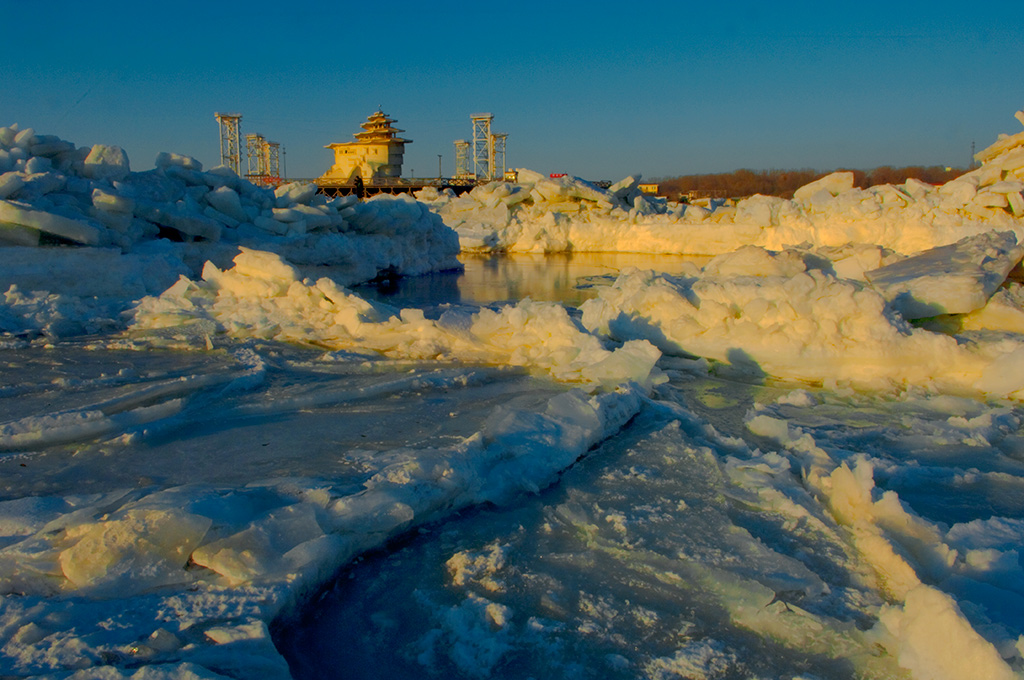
(230, 150)
(257, 153)
(488, 150)
(483, 146)
(498, 165)
(274, 161)
(462, 163)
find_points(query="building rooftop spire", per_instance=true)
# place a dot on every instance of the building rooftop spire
(378, 127)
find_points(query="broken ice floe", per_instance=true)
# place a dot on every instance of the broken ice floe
(787, 315)
(264, 296)
(953, 279)
(541, 214)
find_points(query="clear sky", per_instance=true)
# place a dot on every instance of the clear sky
(595, 89)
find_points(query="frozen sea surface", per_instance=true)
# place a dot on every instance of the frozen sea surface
(735, 527)
(607, 485)
(680, 548)
(165, 418)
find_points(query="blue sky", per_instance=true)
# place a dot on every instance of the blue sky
(599, 90)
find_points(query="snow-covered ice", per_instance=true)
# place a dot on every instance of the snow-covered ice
(798, 456)
(541, 214)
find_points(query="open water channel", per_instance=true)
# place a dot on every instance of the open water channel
(492, 279)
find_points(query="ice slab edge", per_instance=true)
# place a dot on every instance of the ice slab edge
(181, 578)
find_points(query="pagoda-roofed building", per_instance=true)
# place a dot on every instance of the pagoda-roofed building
(376, 155)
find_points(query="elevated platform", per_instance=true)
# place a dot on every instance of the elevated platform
(396, 185)
(388, 185)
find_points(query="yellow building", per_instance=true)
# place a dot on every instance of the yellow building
(377, 153)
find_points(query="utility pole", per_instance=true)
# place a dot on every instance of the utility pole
(439, 175)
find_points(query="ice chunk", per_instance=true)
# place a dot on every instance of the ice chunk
(990, 199)
(133, 551)
(37, 165)
(936, 641)
(1005, 375)
(297, 192)
(287, 215)
(634, 361)
(625, 189)
(834, 184)
(227, 201)
(106, 163)
(271, 225)
(105, 200)
(951, 279)
(79, 231)
(24, 138)
(259, 550)
(1016, 201)
(758, 210)
(166, 160)
(754, 261)
(15, 234)
(1003, 312)
(959, 191)
(10, 183)
(917, 189)
(50, 146)
(194, 224)
(1000, 148)
(315, 217)
(266, 266)
(7, 136)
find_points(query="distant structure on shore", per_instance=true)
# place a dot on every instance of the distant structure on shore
(487, 160)
(372, 164)
(264, 158)
(375, 155)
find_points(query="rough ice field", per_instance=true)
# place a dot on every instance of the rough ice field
(798, 459)
(543, 214)
(679, 549)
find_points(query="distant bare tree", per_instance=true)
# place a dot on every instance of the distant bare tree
(746, 182)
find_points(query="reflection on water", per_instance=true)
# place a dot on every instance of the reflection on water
(510, 278)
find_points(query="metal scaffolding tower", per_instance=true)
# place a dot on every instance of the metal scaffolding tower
(462, 164)
(274, 161)
(483, 146)
(488, 151)
(264, 160)
(230, 151)
(498, 166)
(257, 153)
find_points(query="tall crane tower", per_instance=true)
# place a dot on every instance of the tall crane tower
(230, 151)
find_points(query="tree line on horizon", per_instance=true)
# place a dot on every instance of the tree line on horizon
(783, 183)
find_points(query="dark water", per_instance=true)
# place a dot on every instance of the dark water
(562, 278)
